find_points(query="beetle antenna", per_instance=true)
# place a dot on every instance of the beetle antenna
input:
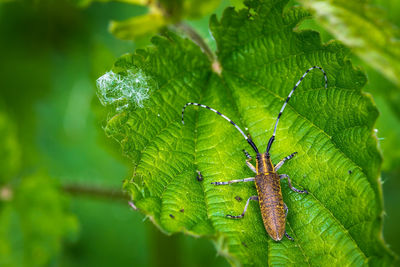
(271, 140)
(248, 139)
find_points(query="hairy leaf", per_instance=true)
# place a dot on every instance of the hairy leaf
(363, 28)
(261, 57)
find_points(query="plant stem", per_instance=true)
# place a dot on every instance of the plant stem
(189, 31)
(104, 193)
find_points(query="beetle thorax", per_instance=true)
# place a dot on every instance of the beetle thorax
(264, 164)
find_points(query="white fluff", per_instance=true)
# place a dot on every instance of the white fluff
(123, 91)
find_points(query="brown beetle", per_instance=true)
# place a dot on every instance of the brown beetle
(267, 180)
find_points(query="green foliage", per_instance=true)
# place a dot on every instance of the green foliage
(138, 26)
(85, 3)
(387, 96)
(33, 216)
(261, 57)
(33, 222)
(9, 149)
(49, 98)
(364, 28)
(161, 13)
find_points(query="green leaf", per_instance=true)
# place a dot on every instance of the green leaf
(138, 26)
(33, 222)
(161, 13)
(262, 57)
(85, 3)
(388, 123)
(197, 9)
(10, 153)
(363, 28)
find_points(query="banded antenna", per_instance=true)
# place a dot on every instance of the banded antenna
(248, 139)
(271, 140)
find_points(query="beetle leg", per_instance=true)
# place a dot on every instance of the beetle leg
(247, 154)
(251, 166)
(280, 163)
(250, 179)
(245, 208)
(288, 236)
(286, 209)
(286, 212)
(283, 176)
(199, 176)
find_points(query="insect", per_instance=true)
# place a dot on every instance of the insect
(267, 180)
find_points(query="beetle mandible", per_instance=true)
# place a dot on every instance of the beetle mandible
(267, 180)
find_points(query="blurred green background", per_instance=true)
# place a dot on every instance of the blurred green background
(60, 187)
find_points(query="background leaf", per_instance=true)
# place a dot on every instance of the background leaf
(161, 14)
(362, 27)
(33, 222)
(33, 216)
(137, 27)
(262, 57)
(10, 152)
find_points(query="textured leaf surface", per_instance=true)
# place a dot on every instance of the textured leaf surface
(262, 57)
(363, 28)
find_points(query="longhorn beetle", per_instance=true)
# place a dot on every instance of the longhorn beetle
(267, 180)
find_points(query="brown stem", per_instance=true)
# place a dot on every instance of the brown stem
(197, 39)
(105, 193)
